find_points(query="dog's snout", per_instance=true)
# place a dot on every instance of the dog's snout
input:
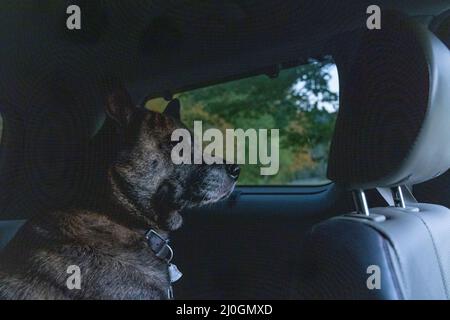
(233, 171)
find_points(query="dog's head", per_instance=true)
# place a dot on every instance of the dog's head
(143, 174)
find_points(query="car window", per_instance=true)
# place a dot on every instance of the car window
(301, 102)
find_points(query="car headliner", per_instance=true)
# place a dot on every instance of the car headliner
(159, 46)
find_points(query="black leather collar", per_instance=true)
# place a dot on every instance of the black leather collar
(159, 245)
(161, 248)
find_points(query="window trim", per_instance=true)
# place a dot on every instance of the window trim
(283, 190)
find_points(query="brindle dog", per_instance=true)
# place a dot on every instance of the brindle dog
(144, 190)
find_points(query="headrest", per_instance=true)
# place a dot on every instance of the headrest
(393, 125)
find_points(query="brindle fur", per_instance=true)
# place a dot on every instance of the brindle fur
(142, 189)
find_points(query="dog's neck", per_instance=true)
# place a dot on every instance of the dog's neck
(123, 209)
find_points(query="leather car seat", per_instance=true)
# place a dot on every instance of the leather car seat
(392, 131)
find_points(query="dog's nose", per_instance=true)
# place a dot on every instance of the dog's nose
(233, 171)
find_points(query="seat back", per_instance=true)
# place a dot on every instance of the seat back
(408, 251)
(392, 131)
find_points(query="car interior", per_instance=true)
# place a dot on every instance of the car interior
(386, 187)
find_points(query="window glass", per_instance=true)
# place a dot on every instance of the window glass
(302, 103)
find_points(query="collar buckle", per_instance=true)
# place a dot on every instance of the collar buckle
(161, 248)
(159, 245)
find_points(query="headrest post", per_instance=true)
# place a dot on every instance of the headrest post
(397, 195)
(359, 198)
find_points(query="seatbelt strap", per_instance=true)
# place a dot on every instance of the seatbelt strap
(387, 195)
(408, 195)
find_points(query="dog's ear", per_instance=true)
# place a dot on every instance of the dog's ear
(173, 109)
(120, 107)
